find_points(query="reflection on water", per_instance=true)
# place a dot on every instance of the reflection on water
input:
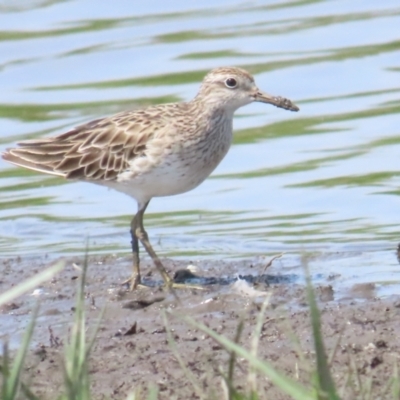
(324, 179)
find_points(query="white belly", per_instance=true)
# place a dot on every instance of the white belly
(174, 169)
(166, 179)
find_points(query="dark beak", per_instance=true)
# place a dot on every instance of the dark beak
(277, 101)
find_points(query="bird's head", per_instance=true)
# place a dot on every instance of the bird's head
(232, 88)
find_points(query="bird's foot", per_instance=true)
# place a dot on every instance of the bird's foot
(133, 282)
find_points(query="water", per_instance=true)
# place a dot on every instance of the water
(323, 180)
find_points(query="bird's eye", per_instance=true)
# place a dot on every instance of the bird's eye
(231, 83)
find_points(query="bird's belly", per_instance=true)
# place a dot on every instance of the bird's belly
(174, 172)
(165, 179)
(168, 180)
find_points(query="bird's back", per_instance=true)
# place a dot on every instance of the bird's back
(98, 150)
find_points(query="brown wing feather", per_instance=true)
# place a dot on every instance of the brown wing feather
(100, 149)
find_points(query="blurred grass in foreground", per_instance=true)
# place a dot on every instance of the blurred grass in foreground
(77, 358)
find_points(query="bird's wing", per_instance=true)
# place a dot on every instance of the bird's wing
(100, 149)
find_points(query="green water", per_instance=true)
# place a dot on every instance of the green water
(326, 179)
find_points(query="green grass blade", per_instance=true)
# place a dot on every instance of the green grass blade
(252, 377)
(153, 393)
(76, 375)
(14, 377)
(5, 371)
(396, 381)
(232, 361)
(324, 377)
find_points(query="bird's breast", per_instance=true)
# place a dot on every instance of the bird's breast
(181, 164)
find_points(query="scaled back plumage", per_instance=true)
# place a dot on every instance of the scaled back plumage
(98, 150)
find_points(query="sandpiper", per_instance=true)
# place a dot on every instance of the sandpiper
(161, 150)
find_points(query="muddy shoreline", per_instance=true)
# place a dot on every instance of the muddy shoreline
(132, 350)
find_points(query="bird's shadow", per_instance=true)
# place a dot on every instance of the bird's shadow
(184, 276)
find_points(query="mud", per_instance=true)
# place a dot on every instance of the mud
(132, 350)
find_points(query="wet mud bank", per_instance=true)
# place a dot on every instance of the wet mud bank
(132, 348)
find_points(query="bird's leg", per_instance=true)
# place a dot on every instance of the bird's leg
(135, 279)
(141, 234)
(138, 233)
